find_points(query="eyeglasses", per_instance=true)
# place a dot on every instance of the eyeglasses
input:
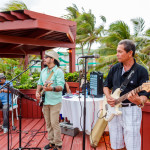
(47, 57)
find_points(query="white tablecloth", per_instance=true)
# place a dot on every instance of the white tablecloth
(71, 108)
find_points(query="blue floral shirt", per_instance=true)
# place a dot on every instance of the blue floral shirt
(3, 96)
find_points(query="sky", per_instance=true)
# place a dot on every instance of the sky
(113, 10)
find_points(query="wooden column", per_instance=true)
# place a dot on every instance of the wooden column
(26, 60)
(72, 60)
(42, 53)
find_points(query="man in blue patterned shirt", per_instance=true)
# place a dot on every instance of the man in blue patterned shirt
(3, 99)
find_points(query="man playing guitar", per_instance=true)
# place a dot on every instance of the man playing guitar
(52, 99)
(125, 128)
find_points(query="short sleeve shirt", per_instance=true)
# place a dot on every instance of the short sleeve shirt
(115, 78)
(51, 97)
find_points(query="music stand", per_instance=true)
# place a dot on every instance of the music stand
(8, 88)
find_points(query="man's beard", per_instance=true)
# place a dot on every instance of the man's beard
(45, 65)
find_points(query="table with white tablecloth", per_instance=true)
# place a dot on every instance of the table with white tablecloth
(71, 108)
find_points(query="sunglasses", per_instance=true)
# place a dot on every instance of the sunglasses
(47, 56)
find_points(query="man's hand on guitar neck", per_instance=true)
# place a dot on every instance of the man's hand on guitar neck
(136, 99)
(110, 101)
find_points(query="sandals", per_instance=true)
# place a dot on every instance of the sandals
(49, 146)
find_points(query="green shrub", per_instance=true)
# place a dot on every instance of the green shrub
(72, 77)
(26, 80)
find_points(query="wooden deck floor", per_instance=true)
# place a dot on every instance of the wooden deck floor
(34, 135)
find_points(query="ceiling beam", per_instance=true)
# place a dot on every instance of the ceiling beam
(35, 34)
(34, 42)
(17, 25)
(18, 52)
(11, 56)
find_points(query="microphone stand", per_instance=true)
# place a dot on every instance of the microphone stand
(84, 108)
(8, 85)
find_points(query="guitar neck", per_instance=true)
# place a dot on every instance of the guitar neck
(124, 97)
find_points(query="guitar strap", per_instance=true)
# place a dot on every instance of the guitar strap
(50, 75)
(128, 78)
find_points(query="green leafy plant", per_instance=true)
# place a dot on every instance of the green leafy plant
(72, 77)
(27, 80)
(12, 67)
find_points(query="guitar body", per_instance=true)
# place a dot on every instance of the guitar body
(42, 100)
(108, 111)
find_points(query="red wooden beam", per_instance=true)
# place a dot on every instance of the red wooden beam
(11, 56)
(49, 18)
(18, 52)
(40, 33)
(35, 42)
(19, 15)
(53, 26)
(8, 16)
(17, 25)
(9, 51)
(35, 34)
(70, 36)
(2, 19)
(31, 24)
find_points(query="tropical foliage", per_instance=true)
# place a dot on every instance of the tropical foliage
(14, 5)
(72, 77)
(11, 69)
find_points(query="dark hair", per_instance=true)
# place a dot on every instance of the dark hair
(128, 45)
(56, 63)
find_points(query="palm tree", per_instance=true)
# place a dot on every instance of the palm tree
(118, 31)
(142, 41)
(87, 29)
(14, 5)
(87, 32)
(73, 13)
